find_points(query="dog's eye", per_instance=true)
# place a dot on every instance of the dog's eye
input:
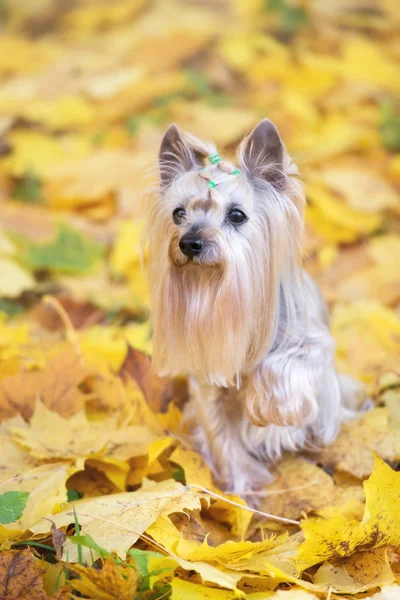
(178, 215)
(237, 216)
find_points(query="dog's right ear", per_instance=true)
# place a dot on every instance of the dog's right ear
(176, 156)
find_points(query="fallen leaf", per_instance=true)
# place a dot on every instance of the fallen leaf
(39, 152)
(111, 582)
(181, 590)
(46, 485)
(14, 279)
(58, 537)
(353, 450)
(293, 491)
(157, 390)
(363, 190)
(356, 574)
(56, 386)
(70, 252)
(12, 506)
(20, 577)
(340, 537)
(116, 522)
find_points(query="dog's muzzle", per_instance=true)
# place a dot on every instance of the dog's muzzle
(191, 245)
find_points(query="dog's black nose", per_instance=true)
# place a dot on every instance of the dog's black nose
(191, 245)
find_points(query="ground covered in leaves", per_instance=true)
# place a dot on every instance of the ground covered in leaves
(101, 495)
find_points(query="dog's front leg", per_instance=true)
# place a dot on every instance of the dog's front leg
(217, 414)
(296, 385)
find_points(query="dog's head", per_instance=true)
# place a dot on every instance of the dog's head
(221, 239)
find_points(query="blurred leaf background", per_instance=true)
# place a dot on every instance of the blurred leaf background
(88, 88)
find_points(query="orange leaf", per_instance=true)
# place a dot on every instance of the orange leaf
(112, 582)
(20, 578)
(56, 386)
(156, 390)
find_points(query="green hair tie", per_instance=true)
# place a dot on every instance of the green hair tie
(211, 184)
(235, 172)
(214, 158)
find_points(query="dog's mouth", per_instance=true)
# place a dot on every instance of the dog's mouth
(195, 262)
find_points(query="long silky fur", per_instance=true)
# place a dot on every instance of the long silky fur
(247, 319)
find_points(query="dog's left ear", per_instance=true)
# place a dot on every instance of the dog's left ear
(176, 156)
(261, 154)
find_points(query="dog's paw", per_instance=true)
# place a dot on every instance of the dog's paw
(245, 478)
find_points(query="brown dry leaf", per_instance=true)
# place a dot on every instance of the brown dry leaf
(299, 487)
(157, 390)
(359, 573)
(91, 483)
(56, 386)
(20, 577)
(58, 537)
(111, 582)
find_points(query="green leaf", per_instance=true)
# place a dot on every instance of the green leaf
(11, 307)
(70, 252)
(88, 542)
(291, 17)
(73, 495)
(12, 505)
(390, 126)
(29, 188)
(141, 559)
(29, 543)
(78, 532)
(202, 86)
(179, 474)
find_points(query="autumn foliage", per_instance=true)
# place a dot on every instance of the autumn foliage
(101, 495)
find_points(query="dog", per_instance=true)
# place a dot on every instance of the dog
(233, 309)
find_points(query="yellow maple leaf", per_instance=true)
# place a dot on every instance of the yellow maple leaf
(182, 590)
(46, 485)
(198, 473)
(363, 189)
(20, 55)
(209, 574)
(13, 337)
(353, 450)
(340, 213)
(342, 537)
(108, 446)
(116, 522)
(56, 386)
(63, 112)
(103, 348)
(369, 326)
(37, 151)
(126, 253)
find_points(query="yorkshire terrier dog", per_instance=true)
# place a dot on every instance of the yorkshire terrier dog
(233, 309)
